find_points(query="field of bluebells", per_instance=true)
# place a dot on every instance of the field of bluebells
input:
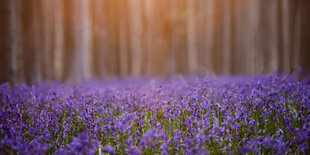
(262, 114)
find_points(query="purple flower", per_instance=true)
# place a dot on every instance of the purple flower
(267, 142)
(164, 148)
(133, 150)
(109, 149)
(148, 137)
(196, 151)
(252, 122)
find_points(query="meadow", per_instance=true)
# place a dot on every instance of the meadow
(262, 114)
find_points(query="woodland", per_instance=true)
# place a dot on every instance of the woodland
(154, 77)
(78, 40)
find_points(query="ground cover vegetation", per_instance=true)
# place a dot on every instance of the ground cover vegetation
(181, 115)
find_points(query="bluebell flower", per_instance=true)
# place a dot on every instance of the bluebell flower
(268, 142)
(133, 150)
(109, 149)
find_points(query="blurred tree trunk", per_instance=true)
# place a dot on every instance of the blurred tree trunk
(260, 40)
(178, 62)
(47, 52)
(149, 6)
(263, 33)
(286, 38)
(100, 38)
(251, 37)
(114, 37)
(69, 44)
(77, 40)
(273, 35)
(238, 37)
(58, 10)
(200, 25)
(191, 38)
(269, 36)
(209, 43)
(82, 66)
(16, 42)
(304, 12)
(173, 27)
(218, 36)
(136, 36)
(123, 39)
(280, 65)
(8, 41)
(226, 66)
(162, 33)
(38, 40)
(295, 32)
(234, 57)
(30, 41)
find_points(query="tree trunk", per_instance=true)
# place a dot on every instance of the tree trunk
(226, 66)
(286, 38)
(82, 59)
(123, 42)
(7, 39)
(191, 38)
(273, 36)
(47, 51)
(304, 11)
(30, 42)
(58, 30)
(100, 38)
(251, 36)
(69, 44)
(209, 36)
(173, 44)
(218, 36)
(149, 35)
(136, 34)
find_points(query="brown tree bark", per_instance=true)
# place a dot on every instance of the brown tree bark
(58, 30)
(30, 41)
(286, 40)
(69, 43)
(123, 39)
(274, 36)
(209, 43)
(81, 69)
(100, 38)
(226, 66)
(251, 36)
(304, 11)
(149, 11)
(136, 27)
(7, 35)
(47, 57)
(218, 36)
(191, 37)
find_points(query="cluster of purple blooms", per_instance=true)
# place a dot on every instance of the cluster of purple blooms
(191, 115)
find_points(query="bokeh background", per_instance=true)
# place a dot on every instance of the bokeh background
(77, 40)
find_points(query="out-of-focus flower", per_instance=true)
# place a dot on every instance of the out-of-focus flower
(109, 149)
(133, 150)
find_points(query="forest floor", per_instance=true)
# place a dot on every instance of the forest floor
(190, 115)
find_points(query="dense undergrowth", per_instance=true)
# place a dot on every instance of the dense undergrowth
(191, 115)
